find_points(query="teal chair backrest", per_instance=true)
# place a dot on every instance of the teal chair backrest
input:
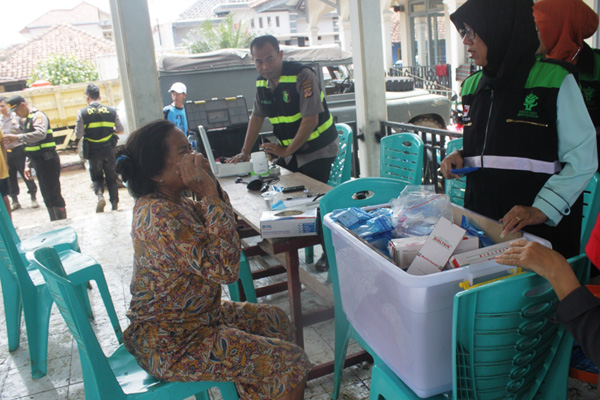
(401, 158)
(99, 375)
(591, 206)
(455, 188)
(504, 346)
(359, 192)
(341, 168)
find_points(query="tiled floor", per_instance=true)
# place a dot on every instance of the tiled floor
(106, 237)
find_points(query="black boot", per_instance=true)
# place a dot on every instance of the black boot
(322, 265)
(52, 213)
(60, 212)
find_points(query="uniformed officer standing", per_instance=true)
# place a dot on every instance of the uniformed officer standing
(97, 124)
(40, 148)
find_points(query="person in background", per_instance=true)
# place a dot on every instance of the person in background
(40, 148)
(578, 309)
(289, 94)
(184, 250)
(9, 123)
(98, 126)
(4, 190)
(562, 27)
(527, 132)
(175, 112)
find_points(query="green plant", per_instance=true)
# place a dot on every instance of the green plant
(227, 34)
(63, 70)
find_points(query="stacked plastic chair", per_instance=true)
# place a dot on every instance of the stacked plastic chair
(118, 376)
(28, 292)
(455, 188)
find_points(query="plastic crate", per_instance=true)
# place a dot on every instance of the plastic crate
(406, 319)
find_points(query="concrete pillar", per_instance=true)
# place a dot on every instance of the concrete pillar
(345, 35)
(421, 36)
(386, 14)
(137, 65)
(369, 80)
(408, 58)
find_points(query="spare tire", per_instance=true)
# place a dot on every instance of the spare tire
(399, 84)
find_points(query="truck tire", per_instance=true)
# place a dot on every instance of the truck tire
(428, 122)
(399, 84)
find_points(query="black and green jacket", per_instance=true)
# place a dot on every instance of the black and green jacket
(282, 107)
(589, 82)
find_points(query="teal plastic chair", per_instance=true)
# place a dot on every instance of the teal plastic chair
(591, 207)
(455, 188)
(118, 376)
(245, 279)
(35, 299)
(341, 168)
(504, 346)
(61, 239)
(355, 193)
(340, 171)
(401, 158)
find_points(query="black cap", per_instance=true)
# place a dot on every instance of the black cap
(93, 91)
(14, 101)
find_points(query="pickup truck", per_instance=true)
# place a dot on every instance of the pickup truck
(230, 73)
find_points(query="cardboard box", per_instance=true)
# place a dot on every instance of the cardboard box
(477, 256)
(404, 250)
(288, 223)
(438, 248)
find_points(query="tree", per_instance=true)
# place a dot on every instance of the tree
(228, 34)
(63, 70)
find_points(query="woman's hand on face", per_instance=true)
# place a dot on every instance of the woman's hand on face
(521, 216)
(452, 161)
(195, 175)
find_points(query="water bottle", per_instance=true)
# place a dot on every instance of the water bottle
(260, 164)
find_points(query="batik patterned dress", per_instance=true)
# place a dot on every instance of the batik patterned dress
(180, 330)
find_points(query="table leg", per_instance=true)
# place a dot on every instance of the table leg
(294, 288)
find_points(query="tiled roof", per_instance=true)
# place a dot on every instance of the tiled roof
(201, 10)
(17, 61)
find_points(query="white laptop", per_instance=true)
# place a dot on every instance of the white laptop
(223, 170)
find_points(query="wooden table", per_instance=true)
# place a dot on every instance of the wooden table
(249, 206)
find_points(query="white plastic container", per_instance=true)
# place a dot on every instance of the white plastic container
(406, 319)
(260, 164)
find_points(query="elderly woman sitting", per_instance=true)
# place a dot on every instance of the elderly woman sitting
(184, 250)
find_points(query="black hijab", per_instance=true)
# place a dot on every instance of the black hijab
(507, 28)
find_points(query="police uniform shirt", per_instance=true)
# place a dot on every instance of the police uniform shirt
(80, 131)
(309, 91)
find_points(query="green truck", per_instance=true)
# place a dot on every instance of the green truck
(231, 73)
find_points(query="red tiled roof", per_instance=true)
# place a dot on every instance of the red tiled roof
(17, 61)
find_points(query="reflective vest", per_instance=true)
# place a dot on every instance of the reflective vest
(98, 124)
(282, 107)
(44, 145)
(511, 135)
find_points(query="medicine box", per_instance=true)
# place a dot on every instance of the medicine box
(404, 250)
(407, 319)
(288, 223)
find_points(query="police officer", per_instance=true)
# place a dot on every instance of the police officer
(40, 148)
(98, 125)
(289, 94)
